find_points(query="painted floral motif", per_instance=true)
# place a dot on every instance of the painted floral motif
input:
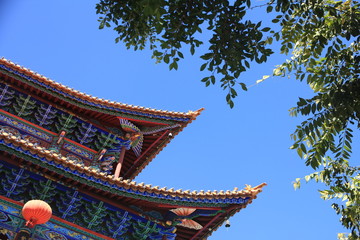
(26, 128)
(78, 151)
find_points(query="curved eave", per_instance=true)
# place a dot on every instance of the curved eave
(61, 165)
(93, 102)
(104, 111)
(146, 160)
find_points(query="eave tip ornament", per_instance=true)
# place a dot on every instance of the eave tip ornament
(36, 212)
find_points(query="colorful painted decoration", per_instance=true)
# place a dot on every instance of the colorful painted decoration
(134, 134)
(188, 223)
(183, 211)
(106, 164)
(36, 212)
(128, 126)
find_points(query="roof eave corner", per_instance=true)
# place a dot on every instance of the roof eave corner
(194, 114)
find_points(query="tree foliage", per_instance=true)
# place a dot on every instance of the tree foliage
(322, 39)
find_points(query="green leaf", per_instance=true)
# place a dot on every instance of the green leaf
(180, 54)
(192, 49)
(299, 152)
(175, 65)
(157, 53)
(269, 40)
(207, 56)
(231, 103)
(228, 97)
(294, 146)
(269, 8)
(167, 58)
(243, 86)
(205, 79)
(203, 67)
(233, 92)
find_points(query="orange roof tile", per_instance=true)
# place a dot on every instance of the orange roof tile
(96, 100)
(56, 157)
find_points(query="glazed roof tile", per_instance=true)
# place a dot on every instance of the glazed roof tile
(95, 100)
(58, 160)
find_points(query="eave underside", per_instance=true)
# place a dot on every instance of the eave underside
(132, 164)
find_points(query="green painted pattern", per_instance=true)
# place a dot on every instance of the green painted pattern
(43, 190)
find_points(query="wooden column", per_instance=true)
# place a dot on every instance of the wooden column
(120, 162)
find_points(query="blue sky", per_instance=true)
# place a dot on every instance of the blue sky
(222, 149)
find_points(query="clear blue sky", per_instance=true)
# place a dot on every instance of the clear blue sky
(222, 149)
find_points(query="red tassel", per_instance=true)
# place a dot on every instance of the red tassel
(31, 223)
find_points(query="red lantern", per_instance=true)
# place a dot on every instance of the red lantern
(36, 212)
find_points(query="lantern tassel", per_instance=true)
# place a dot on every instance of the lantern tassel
(31, 223)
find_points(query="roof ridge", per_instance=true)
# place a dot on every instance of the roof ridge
(85, 96)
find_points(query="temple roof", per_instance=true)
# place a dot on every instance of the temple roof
(18, 151)
(126, 192)
(105, 112)
(95, 101)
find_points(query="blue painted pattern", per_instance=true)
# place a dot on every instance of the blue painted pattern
(78, 151)
(15, 123)
(9, 209)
